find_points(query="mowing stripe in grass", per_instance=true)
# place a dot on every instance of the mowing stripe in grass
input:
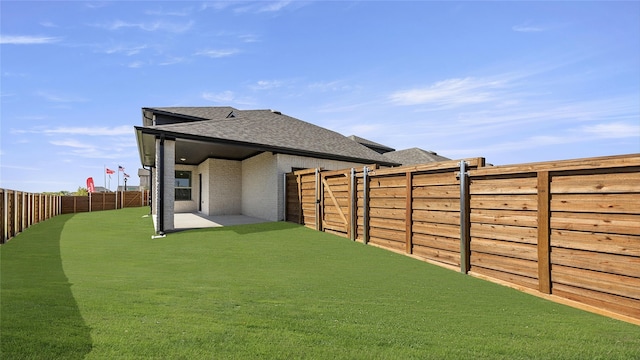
(279, 290)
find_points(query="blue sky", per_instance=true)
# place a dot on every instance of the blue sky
(513, 82)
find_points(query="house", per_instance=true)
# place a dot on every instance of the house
(412, 156)
(145, 179)
(225, 161)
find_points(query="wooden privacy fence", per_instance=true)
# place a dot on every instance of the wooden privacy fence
(568, 229)
(20, 209)
(104, 201)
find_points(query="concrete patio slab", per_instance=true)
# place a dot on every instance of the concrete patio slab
(184, 221)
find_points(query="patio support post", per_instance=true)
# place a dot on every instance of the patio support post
(465, 224)
(165, 178)
(160, 177)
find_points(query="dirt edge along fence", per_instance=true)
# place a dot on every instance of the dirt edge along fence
(21, 209)
(564, 230)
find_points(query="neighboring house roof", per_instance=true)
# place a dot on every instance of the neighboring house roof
(377, 147)
(414, 156)
(238, 134)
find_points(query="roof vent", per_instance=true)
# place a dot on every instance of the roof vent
(231, 115)
(276, 112)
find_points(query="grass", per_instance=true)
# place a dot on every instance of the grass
(96, 286)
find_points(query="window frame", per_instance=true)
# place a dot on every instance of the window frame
(183, 189)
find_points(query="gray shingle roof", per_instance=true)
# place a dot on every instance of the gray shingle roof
(414, 156)
(371, 144)
(267, 129)
(209, 112)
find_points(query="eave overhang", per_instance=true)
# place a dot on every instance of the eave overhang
(146, 146)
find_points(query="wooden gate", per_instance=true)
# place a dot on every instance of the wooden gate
(336, 202)
(301, 197)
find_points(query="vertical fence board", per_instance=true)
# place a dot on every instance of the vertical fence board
(544, 265)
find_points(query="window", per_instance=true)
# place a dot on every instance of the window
(183, 185)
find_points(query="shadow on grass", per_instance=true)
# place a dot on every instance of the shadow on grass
(40, 318)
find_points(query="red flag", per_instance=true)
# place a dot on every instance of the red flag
(109, 171)
(90, 186)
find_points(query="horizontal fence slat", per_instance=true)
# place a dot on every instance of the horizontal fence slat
(609, 263)
(598, 281)
(598, 242)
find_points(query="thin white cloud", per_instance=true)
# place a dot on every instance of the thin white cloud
(48, 24)
(172, 61)
(450, 92)
(126, 50)
(274, 6)
(72, 143)
(162, 12)
(249, 38)
(528, 28)
(81, 149)
(266, 85)
(95, 4)
(217, 53)
(18, 167)
(27, 39)
(60, 98)
(149, 26)
(226, 97)
(135, 64)
(326, 86)
(87, 131)
(216, 5)
(222, 97)
(613, 130)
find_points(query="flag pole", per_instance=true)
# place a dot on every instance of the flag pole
(104, 168)
(118, 186)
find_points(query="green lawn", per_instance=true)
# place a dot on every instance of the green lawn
(96, 286)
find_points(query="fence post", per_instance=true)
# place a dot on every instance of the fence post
(29, 208)
(365, 205)
(408, 233)
(465, 234)
(300, 215)
(544, 231)
(317, 199)
(16, 224)
(284, 195)
(352, 205)
(5, 215)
